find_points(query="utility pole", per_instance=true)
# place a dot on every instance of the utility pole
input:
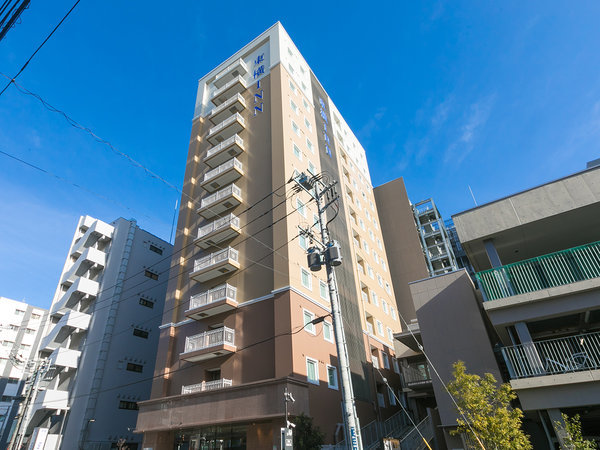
(330, 255)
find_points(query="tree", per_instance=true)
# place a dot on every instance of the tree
(487, 411)
(307, 436)
(573, 437)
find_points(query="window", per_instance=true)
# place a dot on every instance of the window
(316, 223)
(6, 398)
(386, 361)
(366, 246)
(388, 289)
(127, 405)
(383, 265)
(291, 68)
(379, 244)
(332, 379)
(374, 297)
(371, 235)
(394, 313)
(13, 327)
(305, 103)
(155, 249)
(146, 303)
(328, 331)
(380, 280)
(379, 328)
(294, 107)
(308, 125)
(151, 274)
(375, 256)
(295, 128)
(312, 370)
(384, 305)
(375, 223)
(306, 278)
(19, 312)
(361, 223)
(390, 335)
(297, 152)
(300, 207)
(370, 270)
(140, 333)
(396, 366)
(381, 400)
(392, 397)
(323, 290)
(308, 325)
(302, 240)
(311, 168)
(29, 331)
(13, 380)
(292, 87)
(35, 316)
(310, 145)
(135, 367)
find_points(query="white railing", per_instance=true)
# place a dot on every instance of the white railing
(236, 117)
(206, 386)
(238, 79)
(227, 104)
(226, 143)
(223, 222)
(413, 439)
(209, 339)
(553, 356)
(216, 258)
(213, 295)
(233, 162)
(240, 62)
(225, 192)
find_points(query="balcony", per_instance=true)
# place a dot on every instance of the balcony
(551, 270)
(224, 130)
(89, 257)
(214, 301)
(222, 175)
(219, 202)
(218, 231)
(236, 86)
(69, 323)
(235, 104)
(553, 356)
(224, 151)
(51, 399)
(215, 265)
(64, 357)
(230, 72)
(210, 344)
(82, 287)
(206, 386)
(417, 375)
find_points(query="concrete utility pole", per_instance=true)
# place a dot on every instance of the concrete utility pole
(330, 254)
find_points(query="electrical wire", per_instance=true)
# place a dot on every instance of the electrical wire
(13, 79)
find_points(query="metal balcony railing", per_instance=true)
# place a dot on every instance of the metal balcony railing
(223, 222)
(231, 189)
(208, 339)
(213, 295)
(238, 79)
(551, 270)
(233, 162)
(226, 122)
(216, 258)
(227, 104)
(206, 386)
(553, 356)
(416, 373)
(226, 143)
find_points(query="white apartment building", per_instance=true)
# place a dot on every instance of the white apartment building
(100, 340)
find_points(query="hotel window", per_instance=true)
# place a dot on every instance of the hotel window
(297, 152)
(146, 303)
(291, 68)
(36, 316)
(384, 305)
(312, 370)
(386, 361)
(29, 331)
(365, 246)
(295, 128)
(127, 405)
(370, 270)
(140, 333)
(383, 265)
(151, 274)
(361, 223)
(375, 257)
(394, 313)
(306, 278)
(367, 213)
(371, 235)
(358, 204)
(379, 280)
(308, 125)
(375, 223)
(379, 328)
(390, 335)
(135, 367)
(302, 240)
(332, 379)
(374, 297)
(323, 290)
(300, 207)
(310, 145)
(305, 103)
(308, 318)
(396, 366)
(155, 249)
(294, 107)
(19, 312)
(328, 331)
(311, 168)
(292, 87)
(379, 244)
(388, 289)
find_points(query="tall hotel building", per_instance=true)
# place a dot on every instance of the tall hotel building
(236, 329)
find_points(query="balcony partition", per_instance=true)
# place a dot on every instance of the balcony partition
(551, 270)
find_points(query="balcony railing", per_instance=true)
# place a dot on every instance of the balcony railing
(212, 338)
(551, 270)
(216, 258)
(213, 198)
(223, 222)
(226, 143)
(225, 123)
(553, 356)
(233, 162)
(416, 374)
(213, 295)
(206, 386)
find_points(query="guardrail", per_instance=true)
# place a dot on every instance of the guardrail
(209, 339)
(213, 295)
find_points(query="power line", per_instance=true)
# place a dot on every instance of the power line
(12, 80)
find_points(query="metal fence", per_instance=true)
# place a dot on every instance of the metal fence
(210, 338)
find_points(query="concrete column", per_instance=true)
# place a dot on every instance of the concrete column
(492, 254)
(559, 426)
(531, 353)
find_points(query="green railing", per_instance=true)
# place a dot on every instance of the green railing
(551, 270)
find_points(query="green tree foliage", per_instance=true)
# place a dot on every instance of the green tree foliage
(574, 439)
(486, 407)
(307, 436)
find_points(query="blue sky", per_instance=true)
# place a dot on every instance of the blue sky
(499, 96)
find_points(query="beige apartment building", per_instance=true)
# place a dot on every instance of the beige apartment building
(237, 326)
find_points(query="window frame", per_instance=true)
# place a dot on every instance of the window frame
(335, 372)
(316, 380)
